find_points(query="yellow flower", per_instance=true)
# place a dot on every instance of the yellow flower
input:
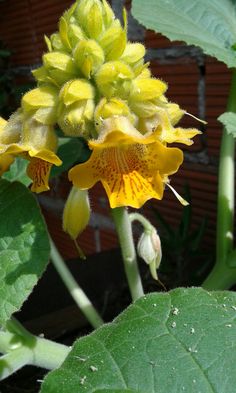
(33, 141)
(132, 168)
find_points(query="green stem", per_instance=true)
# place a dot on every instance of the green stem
(13, 361)
(75, 290)
(25, 349)
(124, 231)
(145, 223)
(225, 207)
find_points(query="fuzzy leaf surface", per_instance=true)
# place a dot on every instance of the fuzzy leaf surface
(24, 246)
(228, 119)
(184, 340)
(211, 25)
(17, 172)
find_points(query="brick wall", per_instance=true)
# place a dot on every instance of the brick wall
(198, 83)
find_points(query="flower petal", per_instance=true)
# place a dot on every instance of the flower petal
(39, 171)
(130, 170)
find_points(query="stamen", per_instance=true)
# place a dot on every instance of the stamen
(179, 197)
(196, 118)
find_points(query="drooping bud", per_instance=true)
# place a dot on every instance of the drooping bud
(76, 212)
(88, 57)
(149, 249)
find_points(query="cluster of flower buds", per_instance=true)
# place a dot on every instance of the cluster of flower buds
(96, 73)
(90, 74)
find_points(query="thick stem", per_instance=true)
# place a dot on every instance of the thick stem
(124, 231)
(225, 206)
(220, 278)
(21, 350)
(75, 290)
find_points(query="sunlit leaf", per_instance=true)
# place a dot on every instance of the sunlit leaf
(207, 24)
(184, 340)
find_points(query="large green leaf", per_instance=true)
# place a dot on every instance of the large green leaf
(228, 119)
(24, 246)
(208, 24)
(184, 340)
(17, 171)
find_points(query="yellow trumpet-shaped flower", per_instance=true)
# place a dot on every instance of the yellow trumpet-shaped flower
(132, 168)
(32, 140)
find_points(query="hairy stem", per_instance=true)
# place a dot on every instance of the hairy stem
(75, 290)
(124, 231)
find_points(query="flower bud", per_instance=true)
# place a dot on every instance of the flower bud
(113, 41)
(5, 159)
(113, 79)
(76, 212)
(146, 89)
(76, 90)
(75, 34)
(149, 249)
(63, 31)
(174, 113)
(41, 75)
(76, 108)
(108, 108)
(88, 57)
(41, 103)
(10, 131)
(144, 109)
(59, 66)
(89, 14)
(76, 119)
(56, 42)
(133, 53)
(108, 14)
